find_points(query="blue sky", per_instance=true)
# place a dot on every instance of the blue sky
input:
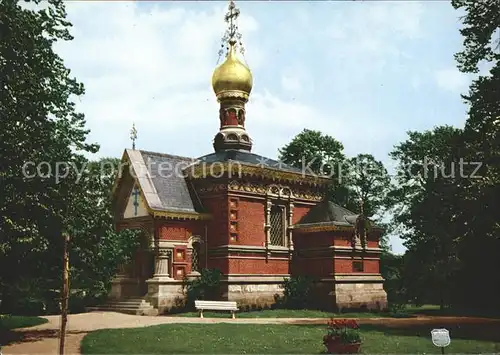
(364, 72)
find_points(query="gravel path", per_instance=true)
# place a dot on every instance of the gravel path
(43, 339)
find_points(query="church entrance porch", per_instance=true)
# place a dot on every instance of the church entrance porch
(130, 280)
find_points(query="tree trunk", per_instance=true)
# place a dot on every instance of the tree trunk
(64, 298)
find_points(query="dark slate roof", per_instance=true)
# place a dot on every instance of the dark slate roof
(247, 158)
(328, 212)
(172, 188)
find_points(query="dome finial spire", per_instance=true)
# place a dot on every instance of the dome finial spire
(232, 36)
(232, 83)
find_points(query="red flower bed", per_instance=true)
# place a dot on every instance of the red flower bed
(343, 336)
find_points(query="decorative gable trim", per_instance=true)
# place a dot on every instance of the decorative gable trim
(133, 160)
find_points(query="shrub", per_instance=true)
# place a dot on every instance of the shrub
(297, 290)
(204, 287)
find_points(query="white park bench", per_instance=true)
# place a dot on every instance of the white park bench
(216, 306)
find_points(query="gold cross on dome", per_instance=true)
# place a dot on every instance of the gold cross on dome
(232, 35)
(231, 17)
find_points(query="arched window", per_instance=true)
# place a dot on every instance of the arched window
(195, 257)
(277, 230)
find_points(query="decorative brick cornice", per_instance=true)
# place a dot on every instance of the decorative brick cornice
(261, 188)
(331, 227)
(238, 169)
(334, 250)
(243, 249)
(180, 215)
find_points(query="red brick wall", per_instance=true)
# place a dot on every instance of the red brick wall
(313, 240)
(217, 227)
(257, 265)
(372, 266)
(318, 267)
(178, 230)
(373, 239)
(251, 219)
(222, 264)
(300, 211)
(343, 266)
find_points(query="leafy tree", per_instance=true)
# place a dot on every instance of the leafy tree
(480, 23)
(480, 196)
(312, 151)
(97, 249)
(369, 182)
(391, 268)
(361, 179)
(40, 127)
(424, 200)
(42, 148)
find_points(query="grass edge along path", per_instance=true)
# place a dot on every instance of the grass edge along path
(8, 322)
(224, 338)
(410, 311)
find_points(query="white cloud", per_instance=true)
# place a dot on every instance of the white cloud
(291, 83)
(451, 79)
(151, 63)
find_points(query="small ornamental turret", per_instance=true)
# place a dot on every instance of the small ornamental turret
(232, 83)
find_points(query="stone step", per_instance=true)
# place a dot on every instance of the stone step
(124, 306)
(135, 311)
(137, 306)
(128, 303)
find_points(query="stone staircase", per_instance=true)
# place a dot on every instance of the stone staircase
(137, 306)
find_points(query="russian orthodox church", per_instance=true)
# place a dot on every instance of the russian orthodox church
(255, 219)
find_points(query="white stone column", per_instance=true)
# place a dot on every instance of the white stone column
(162, 260)
(289, 229)
(267, 226)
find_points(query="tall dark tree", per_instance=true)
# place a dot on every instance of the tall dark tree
(370, 182)
(313, 151)
(424, 202)
(361, 179)
(42, 147)
(481, 142)
(39, 130)
(481, 24)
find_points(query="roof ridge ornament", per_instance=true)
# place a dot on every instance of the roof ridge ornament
(133, 135)
(232, 35)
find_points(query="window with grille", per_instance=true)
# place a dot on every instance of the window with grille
(195, 257)
(277, 224)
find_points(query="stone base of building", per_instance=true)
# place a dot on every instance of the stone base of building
(123, 287)
(340, 292)
(252, 292)
(360, 292)
(165, 294)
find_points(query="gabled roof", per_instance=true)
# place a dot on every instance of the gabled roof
(162, 183)
(254, 165)
(246, 157)
(329, 216)
(328, 212)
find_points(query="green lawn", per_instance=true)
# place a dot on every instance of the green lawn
(283, 313)
(11, 322)
(227, 338)
(306, 313)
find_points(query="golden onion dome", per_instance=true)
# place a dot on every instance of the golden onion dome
(232, 77)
